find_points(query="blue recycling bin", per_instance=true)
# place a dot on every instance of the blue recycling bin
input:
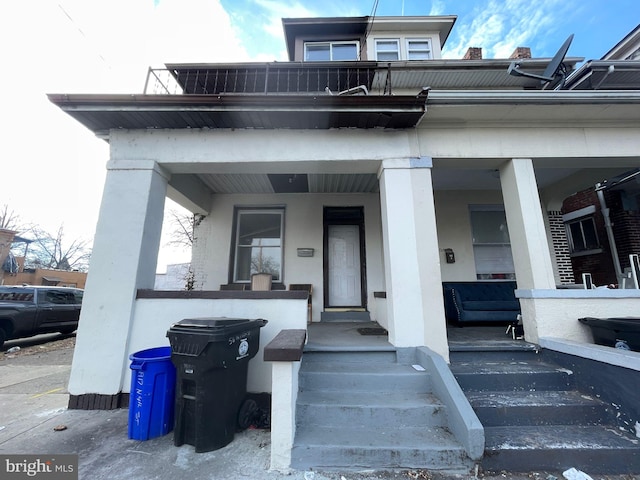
(151, 398)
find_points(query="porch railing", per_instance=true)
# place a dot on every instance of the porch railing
(271, 79)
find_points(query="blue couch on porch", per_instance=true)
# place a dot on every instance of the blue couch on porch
(480, 302)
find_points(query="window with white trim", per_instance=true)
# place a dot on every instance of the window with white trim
(258, 243)
(330, 51)
(491, 243)
(581, 231)
(387, 49)
(582, 235)
(419, 49)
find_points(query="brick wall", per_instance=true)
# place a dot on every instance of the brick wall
(626, 227)
(473, 53)
(521, 52)
(561, 248)
(599, 265)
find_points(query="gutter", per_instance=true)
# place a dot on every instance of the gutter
(534, 97)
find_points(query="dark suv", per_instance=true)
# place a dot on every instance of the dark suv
(30, 310)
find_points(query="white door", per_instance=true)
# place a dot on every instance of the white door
(344, 266)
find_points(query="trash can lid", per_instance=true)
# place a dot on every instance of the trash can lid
(211, 325)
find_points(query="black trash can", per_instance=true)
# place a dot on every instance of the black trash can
(211, 356)
(619, 332)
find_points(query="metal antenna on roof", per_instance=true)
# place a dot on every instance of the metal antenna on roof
(554, 71)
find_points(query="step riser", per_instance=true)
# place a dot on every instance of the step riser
(377, 458)
(542, 415)
(361, 382)
(350, 357)
(380, 417)
(493, 356)
(601, 461)
(514, 381)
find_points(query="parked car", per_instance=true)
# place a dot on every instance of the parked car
(31, 310)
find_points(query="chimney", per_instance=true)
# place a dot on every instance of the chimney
(521, 52)
(473, 53)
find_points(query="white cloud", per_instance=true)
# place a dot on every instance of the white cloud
(499, 27)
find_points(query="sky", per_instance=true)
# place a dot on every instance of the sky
(53, 168)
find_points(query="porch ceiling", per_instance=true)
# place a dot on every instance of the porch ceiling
(444, 178)
(291, 183)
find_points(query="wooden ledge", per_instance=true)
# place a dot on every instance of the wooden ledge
(286, 346)
(224, 294)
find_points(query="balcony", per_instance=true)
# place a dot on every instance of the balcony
(290, 78)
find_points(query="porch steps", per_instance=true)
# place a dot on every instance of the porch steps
(535, 418)
(364, 410)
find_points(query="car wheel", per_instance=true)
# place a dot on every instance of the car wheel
(3, 337)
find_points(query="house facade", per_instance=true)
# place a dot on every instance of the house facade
(368, 167)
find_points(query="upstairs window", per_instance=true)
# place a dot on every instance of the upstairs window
(330, 51)
(387, 50)
(418, 49)
(258, 243)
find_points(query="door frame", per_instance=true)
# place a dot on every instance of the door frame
(344, 216)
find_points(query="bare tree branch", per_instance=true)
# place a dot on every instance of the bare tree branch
(182, 234)
(9, 219)
(53, 251)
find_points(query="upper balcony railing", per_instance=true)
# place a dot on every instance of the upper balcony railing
(361, 78)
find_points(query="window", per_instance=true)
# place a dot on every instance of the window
(387, 50)
(258, 243)
(582, 235)
(418, 49)
(330, 51)
(491, 244)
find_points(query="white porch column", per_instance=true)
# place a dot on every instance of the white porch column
(125, 253)
(415, 308)
(528, 235)
(531, 256)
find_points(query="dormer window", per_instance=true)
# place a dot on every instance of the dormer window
(330, 51)
(418, 49)
(387, 49)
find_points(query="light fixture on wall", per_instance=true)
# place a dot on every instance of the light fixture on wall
(449, 256)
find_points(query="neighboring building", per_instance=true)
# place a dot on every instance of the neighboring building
(175, 278)
(13, 270)
(367, 167)
(600, 246)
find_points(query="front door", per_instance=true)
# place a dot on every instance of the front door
(344, 259)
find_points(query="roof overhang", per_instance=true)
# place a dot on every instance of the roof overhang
(606, 75)
(102, 113)
(532, 107)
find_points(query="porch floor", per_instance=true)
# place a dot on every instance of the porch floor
(338, 336)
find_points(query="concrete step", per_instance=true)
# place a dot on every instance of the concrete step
(362, 377)
(347, 356)
(592, 449)
(539, 408)
(367, 410)
(329, 447)
(528, 353)
(511, 375)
